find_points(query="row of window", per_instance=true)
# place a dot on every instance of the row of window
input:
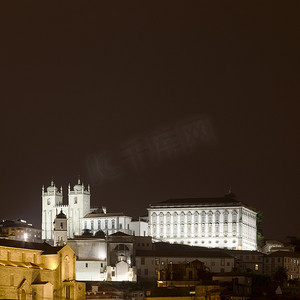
(113, 225)
(203, 215)
(196, 228)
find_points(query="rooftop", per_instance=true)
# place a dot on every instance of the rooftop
(96, 214)
(227, 200)
(46, 248)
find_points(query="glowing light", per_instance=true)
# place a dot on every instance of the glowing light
(25, 236)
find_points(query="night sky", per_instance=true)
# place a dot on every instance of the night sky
(151, 100)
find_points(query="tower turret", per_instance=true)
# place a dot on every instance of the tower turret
(51, 198)
(60, 229)
(79, 204)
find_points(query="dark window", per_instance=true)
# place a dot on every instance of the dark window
(142, 260)
(68, 292)
(86, 265)
(146, 271)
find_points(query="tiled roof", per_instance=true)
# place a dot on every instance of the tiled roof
(174, 253)
(46, 248)
(99, 215)
(227, 200)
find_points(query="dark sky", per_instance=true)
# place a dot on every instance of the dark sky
(152, 100)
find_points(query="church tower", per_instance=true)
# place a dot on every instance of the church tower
(79, 206)
(60, 229)
(51, 198)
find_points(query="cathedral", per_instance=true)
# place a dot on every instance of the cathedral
(59, 220)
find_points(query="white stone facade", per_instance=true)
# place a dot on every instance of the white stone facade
(216, 222)
(80, 216)
(52, 203)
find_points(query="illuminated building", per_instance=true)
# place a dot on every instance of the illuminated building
(38, 271)
(210, 222)
(99, 258)
(20, 230)
(80, 215)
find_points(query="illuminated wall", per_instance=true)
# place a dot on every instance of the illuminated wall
(220, 227)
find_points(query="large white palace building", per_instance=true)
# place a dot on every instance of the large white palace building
(209, 222)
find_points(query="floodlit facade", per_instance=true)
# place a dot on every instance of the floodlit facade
(110, 258)
(38, 271)
(210, 222)
(80, 216)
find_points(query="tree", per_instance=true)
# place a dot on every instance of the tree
(281, 276)
(259, 235)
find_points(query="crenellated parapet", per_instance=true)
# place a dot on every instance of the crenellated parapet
(62, 206)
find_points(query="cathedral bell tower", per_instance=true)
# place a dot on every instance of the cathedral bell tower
(51, 198)
(79, 206)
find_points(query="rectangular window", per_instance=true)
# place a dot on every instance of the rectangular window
(256, 267)
(12, 279)
(99, 224)
(85, 225)
(106, 224)
(142, 260)
(92, 225)
(68, 294)
(113, 224)
(113, 273)
(146, 271)
(86, 265)
(121, 226)
(61, 225)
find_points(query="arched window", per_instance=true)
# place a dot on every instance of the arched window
(182, 217)
(234, 216)
(175, 218)
(189, 216)
(196, 216)
(210, 214)
(161, 218)
(203, 214)
(217, 216)
(154, 216)
(168, 217)
(226, 216)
